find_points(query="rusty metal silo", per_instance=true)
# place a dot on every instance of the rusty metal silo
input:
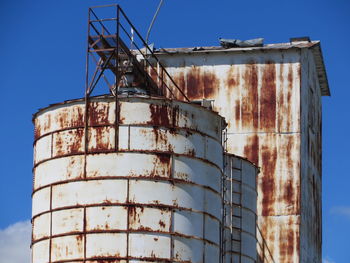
(141, 174)
(240, 210)
(147, 191)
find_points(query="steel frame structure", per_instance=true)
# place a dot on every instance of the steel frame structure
(108, 50)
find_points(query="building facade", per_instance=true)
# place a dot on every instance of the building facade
(270, 97)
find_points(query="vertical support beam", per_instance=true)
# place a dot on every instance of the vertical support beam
(84, 231)
(231, 207)
(50, 241)
(116, 121)
(86, 112)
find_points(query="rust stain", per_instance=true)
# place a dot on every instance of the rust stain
(37, 129)
(134, 216)
(77, 141)
(69, 142)
(268, 182)
(79, 238)
(282, 104)
(101, 139)
(70, 117)
(42, 125)
(98, 113)
(162, 165)
(288, 192)
(160, 137)
(182, 176)
(191, 152)
(161, 115)
(164, 158)
(232, 83)
(268, 98)
(250, 102)
(288, 242)
(232, 79)
(179, 79)
(143, 228)
(251, 149)
(199, 84)
(107, 202)
(175, 116)
(288, 105)
(47, 124)
(211, 85)
(195, 84)
(161, 223)
(267, 231)
(285, 110)
(78, 117)
(237, 112)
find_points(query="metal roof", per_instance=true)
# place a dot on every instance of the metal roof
(314, 46)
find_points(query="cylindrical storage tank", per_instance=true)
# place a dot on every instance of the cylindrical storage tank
(240, 207)
(147, 189)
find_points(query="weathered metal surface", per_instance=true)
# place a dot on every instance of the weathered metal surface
(106, 218)
(67, 247)
(65, 221)
(41, 201)
(311, 169)
(240, 213)
(315, 46)
(261, 92)
(279, 159)
(156, 199)
(61, 169)
(41, 226)
(107, 245)
(41, 251)
(283, 237)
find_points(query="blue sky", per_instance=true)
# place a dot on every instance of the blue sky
(42, 61)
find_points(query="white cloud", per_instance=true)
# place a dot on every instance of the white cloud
(327, 260)
(341, 210)
(15, 243)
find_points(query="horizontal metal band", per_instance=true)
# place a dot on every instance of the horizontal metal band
(131, 151)
(159, 206)
(145, 231)
(144, 178)
(126, 125)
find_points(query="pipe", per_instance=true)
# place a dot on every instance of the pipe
(154, 18)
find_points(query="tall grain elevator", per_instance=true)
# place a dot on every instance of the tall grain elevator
(203, 155)
(270, 96)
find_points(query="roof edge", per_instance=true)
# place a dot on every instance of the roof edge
(321, 69)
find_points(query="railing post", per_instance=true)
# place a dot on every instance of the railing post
(86, 113)
(116, 121)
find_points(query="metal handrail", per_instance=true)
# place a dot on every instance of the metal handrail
(264, 245)
(147, 56)
(152, 53)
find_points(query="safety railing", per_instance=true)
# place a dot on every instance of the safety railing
(114, 44)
